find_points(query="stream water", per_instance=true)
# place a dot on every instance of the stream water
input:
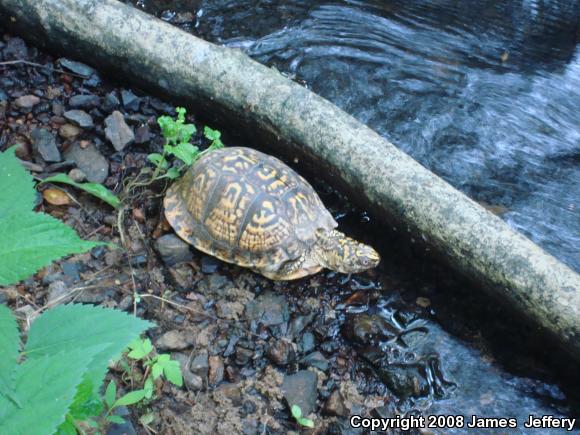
(484, 93)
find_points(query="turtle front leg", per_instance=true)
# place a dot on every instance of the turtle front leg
(299, 268)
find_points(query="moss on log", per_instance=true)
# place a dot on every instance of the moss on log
(119, 38)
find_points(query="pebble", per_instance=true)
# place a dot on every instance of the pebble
(216, 370)
(26, 101)
(269, 309)
(84, 101)
(172, 340)
(231, 392)
(200, 365)
(77, 175)
(57, 109)
(90, 161)
(173, 250)
(142, 134)
(209, 264)
(76, 67)
(111, 102)
(44, 145)
(280, 352)
(307, 343)
(69, 131)
(117, 131)
(335, 405)
(80, 118)
(315, 359)
(243, 355)
(192, 381)
(300, 389)
(130, 100)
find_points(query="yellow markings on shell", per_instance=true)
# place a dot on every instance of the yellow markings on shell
(224, 220)
(266, 229)
(197, 196)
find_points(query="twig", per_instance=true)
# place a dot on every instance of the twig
(39, 65)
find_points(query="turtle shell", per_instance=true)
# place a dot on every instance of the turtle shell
(247, 208)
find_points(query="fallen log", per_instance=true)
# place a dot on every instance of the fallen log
(110, 35)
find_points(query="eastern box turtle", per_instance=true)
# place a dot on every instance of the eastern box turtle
(250, 209)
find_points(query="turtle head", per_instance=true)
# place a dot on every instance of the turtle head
(338, 252)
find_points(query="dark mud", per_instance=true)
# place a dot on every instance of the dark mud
(405, 339)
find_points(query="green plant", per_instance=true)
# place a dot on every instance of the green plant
(64, 363)
(95, 189)
(177, 134)
(302, 421)
(30, 240)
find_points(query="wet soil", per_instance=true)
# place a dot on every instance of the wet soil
(407, 338)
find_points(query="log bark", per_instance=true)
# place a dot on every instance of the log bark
(112, 36)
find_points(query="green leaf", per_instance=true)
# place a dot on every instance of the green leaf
(296, 411)
(111, 393)
(97, 190)
(33, 240)
(148, 388)
(67, 427)
(173, 173)
(185, 132)
(156, 370)
(44, 391)
(172, 371)
(169, 128)
(184, 152)
(211, 134)
(87, 403)
(17, 192)
(158, 160)
(145, 419)
(9, 347)
(305, 422)
(115, 419)
(75, 326)
(130, 398)
(140, 348)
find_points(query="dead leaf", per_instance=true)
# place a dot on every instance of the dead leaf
(56, 197)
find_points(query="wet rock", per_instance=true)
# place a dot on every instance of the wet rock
(77, 175)
(172, 340)
(192, 381)
(268, 309)
(15, 49)
(298, 324)
(404, 380)
(57, 109)
(243, 355)
(57, 293)
(76, 67)
(44, 145)
(26, 101)
(90, 161)
(111, 102)
(280, 352)
(365, 328)
(173, 250)
(200, 365)
(130, 100)
(69, 131)
(142, 134)
(315, 359)
(117, 131)
(84, 101)
(80, 118)
(216, 370)
(209, 264)
(307, 342)
(71, 271)
(300, 389)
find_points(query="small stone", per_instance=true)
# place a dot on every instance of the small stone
(308, 342)
(173, 250)
(243, 355)
(172, 340)
(209, 264)
(57, 109)
(231, 392)
(192, 381)
(200, 365)
(111, 102)
(15, 49)
(130, 100)
(77, 175)
(335, 405)
(280, 352)
(76, 67)
(69, 131)
(80, 118)
(117, 131)
(44, 145)
(216, 370)
(26, 101)
(71, 271)
(300, 389)
(84, 101)
(317, 360)
(57, 293)
(268, 309)
(142, 134)
(89, 160)
(423, 302)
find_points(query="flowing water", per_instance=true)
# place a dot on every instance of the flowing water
(485, 93)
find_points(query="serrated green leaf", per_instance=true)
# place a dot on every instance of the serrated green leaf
(33, 240)
(17, 192)
(116, 419)
(76, 326)
(296, 411)
(173, 173)
(87, 403)
(140, 348)
(130, 398)
(9, 348)
(172, 372)
(156, 370)
(211, 134)
(183, 151)
(67, 427)
(44, 392)
(97, 190)
(185, 132)
(111, 393)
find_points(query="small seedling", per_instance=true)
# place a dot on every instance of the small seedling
(302, 421)
(97, 190)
